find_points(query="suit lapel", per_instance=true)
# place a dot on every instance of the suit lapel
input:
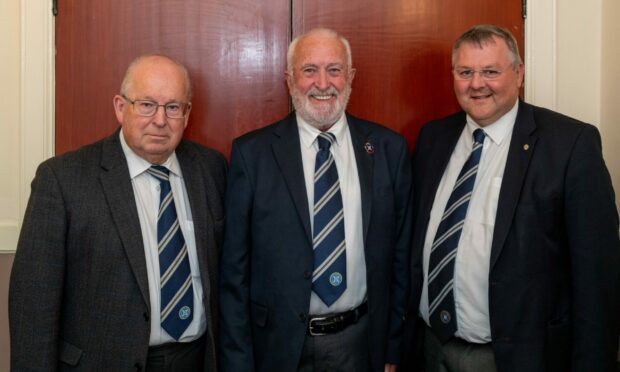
(360, 137)
(118, 191)
(519, 156)
(437, 158)
(286, 149)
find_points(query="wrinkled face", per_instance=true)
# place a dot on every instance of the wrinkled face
(486, 99)
(153, 138)
(320, 80)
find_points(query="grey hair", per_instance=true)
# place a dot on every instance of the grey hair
(320, 31)
(480, 35)
(126, 83)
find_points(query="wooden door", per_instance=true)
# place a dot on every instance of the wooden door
(235, 51)
(401, 50)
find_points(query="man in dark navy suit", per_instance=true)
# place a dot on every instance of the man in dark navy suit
(315, 260)
(516, 254)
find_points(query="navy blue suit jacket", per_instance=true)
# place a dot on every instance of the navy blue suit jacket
(555, 255)
(267, 256)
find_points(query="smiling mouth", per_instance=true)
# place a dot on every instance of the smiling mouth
(481, 97)
(323, 97)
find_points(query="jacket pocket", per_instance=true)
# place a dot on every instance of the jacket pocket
(69, 354)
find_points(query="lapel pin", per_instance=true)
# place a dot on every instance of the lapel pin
(526, 147)
(370, 149)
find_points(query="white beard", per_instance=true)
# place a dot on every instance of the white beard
(325, 116)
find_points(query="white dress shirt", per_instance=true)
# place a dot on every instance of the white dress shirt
(471, 271)
(146, 193)
(344, 157)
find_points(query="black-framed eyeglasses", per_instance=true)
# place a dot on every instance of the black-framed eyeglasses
(173, 110)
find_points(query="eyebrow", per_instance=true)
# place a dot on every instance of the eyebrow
(149, 98)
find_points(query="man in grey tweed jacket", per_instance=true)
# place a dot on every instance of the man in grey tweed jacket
(84, 292)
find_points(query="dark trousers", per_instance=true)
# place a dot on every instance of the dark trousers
(457, 355)
(177, 357)
(345, 351)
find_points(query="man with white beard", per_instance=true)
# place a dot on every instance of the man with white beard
(314, 269)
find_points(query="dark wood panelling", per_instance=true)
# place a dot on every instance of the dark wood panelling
(401, 50)
(234, 50)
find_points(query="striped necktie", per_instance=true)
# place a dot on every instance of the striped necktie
(443, 251)
(329, 279)
(177, 294)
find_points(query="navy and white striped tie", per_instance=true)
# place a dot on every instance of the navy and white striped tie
(177, 294)
(443, 251)
(329, 279)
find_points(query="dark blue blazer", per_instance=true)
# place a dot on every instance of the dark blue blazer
(555, 256)
(267, 257)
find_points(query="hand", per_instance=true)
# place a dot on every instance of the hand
(390, 367)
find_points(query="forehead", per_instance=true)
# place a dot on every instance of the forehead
(319, 49)
(157, 75)
(489, 52)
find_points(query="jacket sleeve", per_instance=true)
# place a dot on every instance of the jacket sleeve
(592, 235)
(37, 277)
(402, 248)
(236, 352)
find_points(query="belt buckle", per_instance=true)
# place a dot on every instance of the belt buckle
(311, 325)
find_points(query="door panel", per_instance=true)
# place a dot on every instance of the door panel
(235, 51)
(401, 50)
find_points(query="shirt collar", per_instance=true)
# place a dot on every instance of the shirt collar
(138, 165)
(309, 133)
(499, 130)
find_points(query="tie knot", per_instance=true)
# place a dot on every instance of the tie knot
(479, 136)
(325, 140)
(159, 172)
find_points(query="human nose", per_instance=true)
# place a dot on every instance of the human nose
(160, 117)
(322, 81)
(477, 80)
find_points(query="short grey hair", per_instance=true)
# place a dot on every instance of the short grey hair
(126, 83)
(480, 35)
(318, 31)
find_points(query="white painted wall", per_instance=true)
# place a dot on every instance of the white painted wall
(572, 66)
(26, 106)
(610, 90)
(10, 120)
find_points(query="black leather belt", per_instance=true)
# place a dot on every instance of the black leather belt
(331, 323)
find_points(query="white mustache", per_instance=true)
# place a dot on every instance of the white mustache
(318, 92)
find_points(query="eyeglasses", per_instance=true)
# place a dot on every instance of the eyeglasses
(468, 74)
(173, 110)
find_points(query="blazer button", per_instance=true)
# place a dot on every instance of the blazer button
(138, 367)
(302, 317)
(146, 316)
(307, 274)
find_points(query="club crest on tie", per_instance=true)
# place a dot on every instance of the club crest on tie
(370, 149)
(184, 312)
(445, 317)
(335, 279)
